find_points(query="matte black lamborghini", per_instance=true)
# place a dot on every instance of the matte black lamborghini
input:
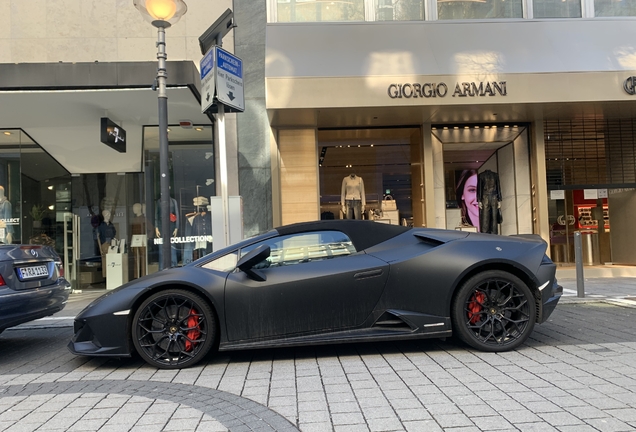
(328, 282)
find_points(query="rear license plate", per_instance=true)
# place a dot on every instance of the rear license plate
(33, 272)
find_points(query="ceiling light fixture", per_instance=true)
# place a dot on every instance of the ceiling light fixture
(7, 133)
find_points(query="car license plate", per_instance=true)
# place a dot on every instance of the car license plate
(33, 272)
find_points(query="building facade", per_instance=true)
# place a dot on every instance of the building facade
(411, 94)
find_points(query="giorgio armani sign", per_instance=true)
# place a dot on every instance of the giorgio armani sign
(630, 85)
(432, 90)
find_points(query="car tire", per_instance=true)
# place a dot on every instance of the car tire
(173, 329)
(493, 311)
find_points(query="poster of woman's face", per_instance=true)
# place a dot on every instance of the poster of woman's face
(466, 194)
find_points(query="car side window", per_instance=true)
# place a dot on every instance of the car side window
(304, 247)
(225, 263)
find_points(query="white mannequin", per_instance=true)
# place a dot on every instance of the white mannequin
(137, 209)
(352, 191)
(106, 215)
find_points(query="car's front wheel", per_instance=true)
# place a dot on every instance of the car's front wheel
(493, 311)
(173, 329)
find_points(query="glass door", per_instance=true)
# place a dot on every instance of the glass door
(104, 207)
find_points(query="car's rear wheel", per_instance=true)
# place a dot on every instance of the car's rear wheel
(493, 311)
(173, 329)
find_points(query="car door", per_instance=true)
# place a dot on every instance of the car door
(315, 281)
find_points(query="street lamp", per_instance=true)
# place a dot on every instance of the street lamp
(162, 14)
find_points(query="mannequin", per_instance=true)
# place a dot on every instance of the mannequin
(6, 230)
(138, 226)
(489, 197)
(105, 233)
(198, 223)
(174, 227)
(352, 197)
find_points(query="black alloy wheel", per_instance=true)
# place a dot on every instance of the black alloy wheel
(494, 311)
(173, 329)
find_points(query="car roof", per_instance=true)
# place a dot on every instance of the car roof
(363, 233)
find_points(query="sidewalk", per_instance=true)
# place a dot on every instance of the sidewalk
(618, 290)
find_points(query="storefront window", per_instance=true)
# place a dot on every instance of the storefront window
(320, 10)
(369, 174)
(32, 192)
(582, 154)
(479, 9)
(399, 10)
(191, 164)
(613, 8)
(557, 8)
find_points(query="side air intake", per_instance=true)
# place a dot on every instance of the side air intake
(389, 320)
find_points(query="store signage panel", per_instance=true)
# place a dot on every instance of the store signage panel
(441, 89)
(113, 135)
(557, 194)
(590, 194)
(207, 80)
(229, 79)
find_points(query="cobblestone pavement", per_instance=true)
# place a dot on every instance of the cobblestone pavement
(577, 372)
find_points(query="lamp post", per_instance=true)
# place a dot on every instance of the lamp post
(162, 14)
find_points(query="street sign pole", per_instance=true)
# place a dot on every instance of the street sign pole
(221, 84)
(220, 125)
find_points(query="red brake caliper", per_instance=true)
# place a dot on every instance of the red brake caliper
(475, 306)
(193, 333)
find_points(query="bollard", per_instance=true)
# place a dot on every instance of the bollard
(578, 259)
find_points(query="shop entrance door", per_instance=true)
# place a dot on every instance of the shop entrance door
(585, 211)
(103, 210)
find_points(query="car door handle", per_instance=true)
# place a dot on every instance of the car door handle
(368, 274)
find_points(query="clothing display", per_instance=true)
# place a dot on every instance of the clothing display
(174, 226)
(353, 209)
(352, 197)
(106, 232)
(489, 197)
(6, 211)
(197, 225)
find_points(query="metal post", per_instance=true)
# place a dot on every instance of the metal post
(220, 125)
(578, 258)
(163, 144)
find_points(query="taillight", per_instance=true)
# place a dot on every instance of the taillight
(60, 268)
(2, 282)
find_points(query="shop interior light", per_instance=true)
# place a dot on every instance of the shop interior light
(198, 129)
(50, 187)
(7, 133)
(52, 207)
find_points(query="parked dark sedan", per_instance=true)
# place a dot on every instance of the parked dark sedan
(326, 282)
(32, 284)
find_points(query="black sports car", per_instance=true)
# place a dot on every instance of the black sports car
(328, 282)
(32, 284)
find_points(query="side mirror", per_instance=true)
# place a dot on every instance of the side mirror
(247, 263)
